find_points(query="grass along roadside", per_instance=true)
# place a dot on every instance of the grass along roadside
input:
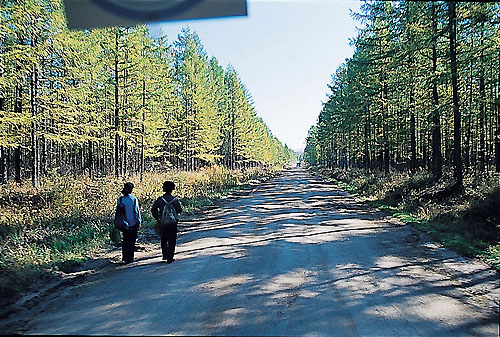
(66, 220)
(468, 223)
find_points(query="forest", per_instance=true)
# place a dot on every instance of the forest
(81, 112)
(414, 115)
(118, 101)
(421, 90)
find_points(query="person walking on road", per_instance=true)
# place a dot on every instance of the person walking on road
(133, 222)
(167, 232)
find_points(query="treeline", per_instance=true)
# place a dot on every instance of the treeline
(422, 90)
(117, 101)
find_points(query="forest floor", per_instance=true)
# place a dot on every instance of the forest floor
(294, 256)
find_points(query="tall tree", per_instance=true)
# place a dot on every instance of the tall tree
(457, 152)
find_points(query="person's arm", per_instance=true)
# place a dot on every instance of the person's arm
(138, 212)
(155, 210)
(177, 206)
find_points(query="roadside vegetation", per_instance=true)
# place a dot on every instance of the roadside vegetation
(68, 219)
(412, 122)
(467, 222)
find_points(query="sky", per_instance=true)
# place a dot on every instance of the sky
(284, 51)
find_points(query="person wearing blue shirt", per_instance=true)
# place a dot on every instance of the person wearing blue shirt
(133, 222)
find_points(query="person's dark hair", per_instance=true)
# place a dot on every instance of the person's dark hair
(127, 188)
(168, 186)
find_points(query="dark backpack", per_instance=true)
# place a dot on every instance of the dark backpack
(120, 217)
(169, 216)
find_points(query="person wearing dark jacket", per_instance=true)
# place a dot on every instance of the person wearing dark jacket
(168, 235)
(133, 222)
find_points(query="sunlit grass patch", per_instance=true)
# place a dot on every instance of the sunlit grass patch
(492, 255)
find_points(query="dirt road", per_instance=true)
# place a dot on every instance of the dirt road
(294, 257)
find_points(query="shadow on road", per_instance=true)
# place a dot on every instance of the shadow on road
(295, 257)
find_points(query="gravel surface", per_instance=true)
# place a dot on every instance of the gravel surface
(295, 256)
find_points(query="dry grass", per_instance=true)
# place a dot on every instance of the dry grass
(67, 219)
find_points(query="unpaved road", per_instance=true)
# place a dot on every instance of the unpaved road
(294, 257)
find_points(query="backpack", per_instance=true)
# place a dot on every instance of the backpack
(120, 220)
(169, 215)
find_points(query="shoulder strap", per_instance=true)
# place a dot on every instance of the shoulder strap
(135, 214)
(169, 202)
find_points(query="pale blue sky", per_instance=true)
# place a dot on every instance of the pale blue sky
(284, 51)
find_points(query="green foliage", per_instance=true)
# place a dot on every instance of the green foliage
(492, 256)
(117, 100)
(391, 104)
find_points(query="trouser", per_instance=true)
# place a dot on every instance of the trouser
(128, 245)
(168, 240)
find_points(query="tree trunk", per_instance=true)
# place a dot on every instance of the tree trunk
(17, 164)
(482, 130)
(35, 165)
(117, 111)
(124, 123)
(367, 137)
(75, 160)
(385, 128)
(497, 133)
(413, 143)
(3, 150)
(186, 140)
(98, 158)
(437, 157)
(468, 118)
(457, 156)
(491, 119)
(125, 157)
(18, 109)
(232, 150)
(143, 127)
(90, 159)
(3, 165)
(43, 153)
